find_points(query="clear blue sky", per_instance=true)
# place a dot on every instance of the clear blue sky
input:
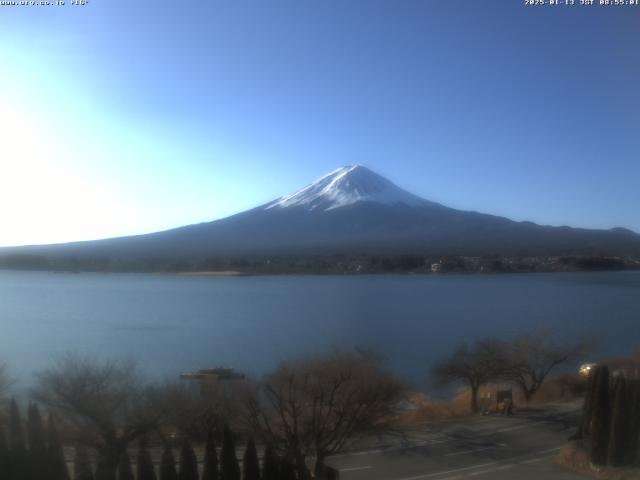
(125, 116)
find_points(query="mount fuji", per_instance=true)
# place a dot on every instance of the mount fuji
(351, 210)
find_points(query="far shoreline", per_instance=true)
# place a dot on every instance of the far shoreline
(236, 273)
(211, 273)
(337, 264)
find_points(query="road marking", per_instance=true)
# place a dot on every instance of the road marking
(542, 452)
(517, 427)
(444, 436)
(361, 452)
(355, 469)
(394, 448)
(496, 469)
(464, 452)
(533, 460)
(481, 469)
(435, 474)
(506, 466)
(455, 434)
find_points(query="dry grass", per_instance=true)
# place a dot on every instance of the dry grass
(426, 409)
(574, 457)
(556, 390)
(423, 408)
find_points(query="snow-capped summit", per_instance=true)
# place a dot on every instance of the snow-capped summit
(346, 186)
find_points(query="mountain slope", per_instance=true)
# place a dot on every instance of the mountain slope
(351, 210)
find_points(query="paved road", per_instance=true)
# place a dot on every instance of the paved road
(494, 447)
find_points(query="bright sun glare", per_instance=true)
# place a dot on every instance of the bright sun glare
(41, 199)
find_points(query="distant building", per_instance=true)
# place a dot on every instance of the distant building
(436, 267)
(210, 380)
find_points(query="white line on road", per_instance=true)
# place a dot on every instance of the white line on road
(481, 469)
(444, 436)
(361, 452)
(409, 446)
(490, 429)
(533, 460)
(355, 469)
(464, 452)
(482, 472)
(517, 427)
(496, 469)
(435, 474)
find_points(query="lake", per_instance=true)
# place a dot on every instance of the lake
(173, 324)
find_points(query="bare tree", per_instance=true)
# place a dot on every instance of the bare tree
(475, 366)
(532, 357)
(105, 404)
(5, 382)
(196, 414)
(319, 406)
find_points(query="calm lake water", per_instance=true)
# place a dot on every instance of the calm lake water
(173, 324)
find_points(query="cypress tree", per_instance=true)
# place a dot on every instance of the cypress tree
(82, 464)
(37, 444)
(229, 468)
(104, 471)
(17, 444)
(125, 472)
(301, 468)
(56, 462)
(287, 472)
(145, 470)
(250, 463)
(210, 471)
(188, 462)
(270, 467)
(634, 422)
(17, 455)
(5, 467)
(601, 419)
(618, 437)
(168, 465)
(35, 431)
